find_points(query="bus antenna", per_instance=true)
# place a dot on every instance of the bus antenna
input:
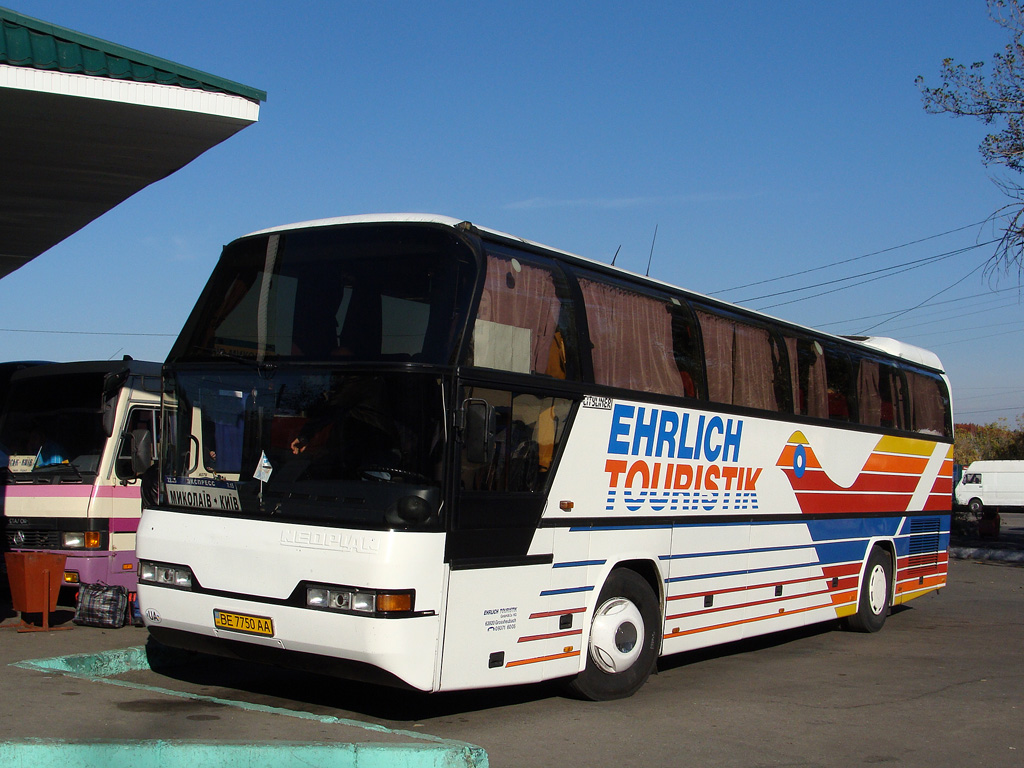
(648, 273)
(616, 254)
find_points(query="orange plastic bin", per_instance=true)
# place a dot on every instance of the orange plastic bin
(35, 579)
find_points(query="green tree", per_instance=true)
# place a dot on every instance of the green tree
(995, 95)
(986, 442)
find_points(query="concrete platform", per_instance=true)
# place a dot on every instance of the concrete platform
(88, 697)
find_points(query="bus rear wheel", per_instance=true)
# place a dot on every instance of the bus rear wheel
(623, 645)
(875, 593)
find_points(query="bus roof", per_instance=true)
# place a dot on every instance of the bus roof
(882, 344)
(137, 367)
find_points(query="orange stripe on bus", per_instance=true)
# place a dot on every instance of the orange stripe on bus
(788, 453)
(751, 604)
(550, 614)
(726, 625)
(907, 465)
(567, 633)
(538, 659)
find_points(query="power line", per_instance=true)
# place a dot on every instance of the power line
(921, 304)
(895, 269)
(969, 328)
(975, 338)
(870, 280)
(847, 261)
(1019, 409)
(982, 311)
(936, 304)
(85, 333)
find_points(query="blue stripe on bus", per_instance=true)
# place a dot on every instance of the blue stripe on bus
(579, 564)
(851, 528)
(723, 574)
(828, 552)
(694, 577)
(567, 591)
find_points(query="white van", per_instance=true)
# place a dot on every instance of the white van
(991, 484)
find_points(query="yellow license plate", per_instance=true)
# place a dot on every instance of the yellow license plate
(240, 622)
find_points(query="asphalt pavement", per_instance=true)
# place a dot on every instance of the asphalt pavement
(87, 696)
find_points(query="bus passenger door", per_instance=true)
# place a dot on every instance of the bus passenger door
(496, 579)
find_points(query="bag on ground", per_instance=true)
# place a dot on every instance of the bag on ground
(101, 605)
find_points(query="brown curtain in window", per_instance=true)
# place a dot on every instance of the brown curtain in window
(718, 343)
(753, 377)
(523, 295)
(804, 361)
(868, 394)
(817, 388)
(632, 338)
(926, 402)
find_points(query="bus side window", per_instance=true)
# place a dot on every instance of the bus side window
(686, 349)
(807, 368)
(718, 355)
(747, 365)
(875, 406)
(524, 323)
(640, 341)
(880, 393)
(929, 404)
(528, 429)
(842, 386)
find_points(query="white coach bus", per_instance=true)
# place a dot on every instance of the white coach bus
(415, 451)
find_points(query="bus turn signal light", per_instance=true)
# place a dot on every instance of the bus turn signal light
(387, 602)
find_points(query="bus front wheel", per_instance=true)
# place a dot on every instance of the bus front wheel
(623, 643)
(875, 592)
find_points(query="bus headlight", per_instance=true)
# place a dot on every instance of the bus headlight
(350, 600)
(81, 540)
(178, 576)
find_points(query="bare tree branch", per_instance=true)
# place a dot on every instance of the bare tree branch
(994, 95)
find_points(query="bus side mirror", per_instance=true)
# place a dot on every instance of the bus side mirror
(478, 431)
(142, 450)
(112, 384)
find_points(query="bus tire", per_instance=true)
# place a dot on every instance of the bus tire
(875, 593)
(624, 635)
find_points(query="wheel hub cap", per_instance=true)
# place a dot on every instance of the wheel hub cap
(877, 590)
(616, 636)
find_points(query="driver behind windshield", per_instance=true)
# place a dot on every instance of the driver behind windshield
(357, 427)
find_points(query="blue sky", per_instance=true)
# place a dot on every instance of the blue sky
(761, 139)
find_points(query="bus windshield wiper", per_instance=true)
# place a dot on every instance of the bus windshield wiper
(257, 364)
(62, 467)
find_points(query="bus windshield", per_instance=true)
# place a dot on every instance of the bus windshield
(312, 444)
(54, 425)
(371, 293)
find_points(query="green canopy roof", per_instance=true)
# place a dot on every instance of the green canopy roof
(88, 123)
(28, 42)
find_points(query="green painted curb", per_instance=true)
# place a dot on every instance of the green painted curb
(105, 664)
(426, 751)
(49, 753)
